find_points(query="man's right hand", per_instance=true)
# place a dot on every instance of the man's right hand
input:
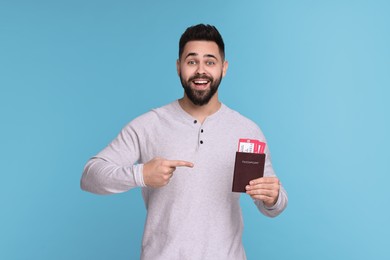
(158, 171)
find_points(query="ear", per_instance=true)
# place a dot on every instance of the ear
(178, 66)
(225, 66)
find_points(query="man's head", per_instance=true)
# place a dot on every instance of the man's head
(202, 32)
(201, 64)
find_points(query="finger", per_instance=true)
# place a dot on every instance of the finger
(262, 192)
(263, 186)
(264, 180)
(178, 163)
(260, 197)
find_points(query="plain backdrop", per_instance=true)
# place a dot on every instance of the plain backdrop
(315, 75)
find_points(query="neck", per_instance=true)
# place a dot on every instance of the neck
(200, 112)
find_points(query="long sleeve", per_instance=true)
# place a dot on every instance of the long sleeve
(282, 201)
(115, 168)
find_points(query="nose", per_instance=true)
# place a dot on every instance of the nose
(200, 68)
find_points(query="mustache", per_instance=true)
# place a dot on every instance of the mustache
(201, 76)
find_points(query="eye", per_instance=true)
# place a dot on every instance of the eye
(191, 62)
(210, 63)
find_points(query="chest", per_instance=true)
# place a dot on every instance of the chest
(190, 142)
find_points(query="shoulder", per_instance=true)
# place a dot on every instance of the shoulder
(153, 117)
(236, 118)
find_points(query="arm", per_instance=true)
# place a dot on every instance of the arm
(114, 169)
(104, 177)
(268, 193)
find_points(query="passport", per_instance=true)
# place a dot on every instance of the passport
(247, 166)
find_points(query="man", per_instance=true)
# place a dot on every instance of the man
(182, 156)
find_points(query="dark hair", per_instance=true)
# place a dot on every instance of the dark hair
(202, 32)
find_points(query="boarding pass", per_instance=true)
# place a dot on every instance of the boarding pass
(250, 146)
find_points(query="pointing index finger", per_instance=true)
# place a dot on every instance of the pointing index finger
(178, 163)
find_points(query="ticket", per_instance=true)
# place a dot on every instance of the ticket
(261, 146)
(247, 145)
(250, 146)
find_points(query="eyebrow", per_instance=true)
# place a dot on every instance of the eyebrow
(196, 54)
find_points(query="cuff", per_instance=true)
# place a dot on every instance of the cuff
(138, 171)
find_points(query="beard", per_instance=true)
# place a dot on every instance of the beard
(200, 97)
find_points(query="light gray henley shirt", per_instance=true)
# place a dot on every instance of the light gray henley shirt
(196, 215)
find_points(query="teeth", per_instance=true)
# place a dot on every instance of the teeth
(200, 81)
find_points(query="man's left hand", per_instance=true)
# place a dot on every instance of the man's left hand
(265, 189)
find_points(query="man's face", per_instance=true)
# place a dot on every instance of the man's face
(201, 69)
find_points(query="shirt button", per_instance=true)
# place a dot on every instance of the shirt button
(195, 121)
(201, 130)
(201, 142)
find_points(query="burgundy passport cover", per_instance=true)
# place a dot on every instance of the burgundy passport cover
(248, 166)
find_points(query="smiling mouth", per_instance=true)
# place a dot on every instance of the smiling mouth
(200, 82)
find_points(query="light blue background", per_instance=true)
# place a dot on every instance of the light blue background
(315, 75)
